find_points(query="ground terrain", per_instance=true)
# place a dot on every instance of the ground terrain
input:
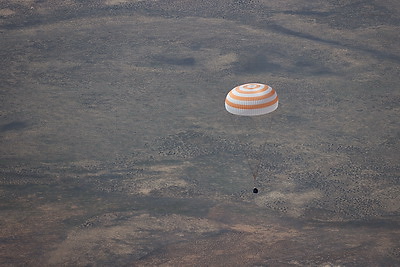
(116, 149)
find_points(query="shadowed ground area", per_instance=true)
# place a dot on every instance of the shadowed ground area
(116, 149)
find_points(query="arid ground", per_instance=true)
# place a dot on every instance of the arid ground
(116, 148)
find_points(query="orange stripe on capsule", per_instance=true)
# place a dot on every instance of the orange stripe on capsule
(237, 89)
(250, 86)
(249, 98)
(259, 106)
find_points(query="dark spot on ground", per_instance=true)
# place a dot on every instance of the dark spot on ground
(178, 61)
(14, 126)
(256, 63)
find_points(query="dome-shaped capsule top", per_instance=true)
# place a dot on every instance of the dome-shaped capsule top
(251, 99)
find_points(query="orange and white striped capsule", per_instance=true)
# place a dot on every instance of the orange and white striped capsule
(251, 99)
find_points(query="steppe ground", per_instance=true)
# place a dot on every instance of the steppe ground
(116, 149)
